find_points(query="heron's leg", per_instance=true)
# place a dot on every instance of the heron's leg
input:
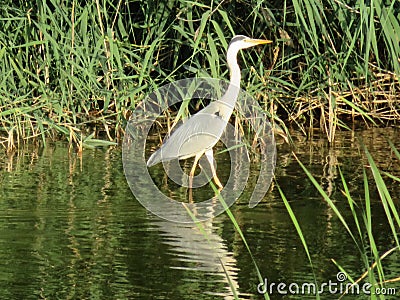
(191, 174)
(210, 157)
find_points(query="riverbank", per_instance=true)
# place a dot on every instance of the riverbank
(75, 72)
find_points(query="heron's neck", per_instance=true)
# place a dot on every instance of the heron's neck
(234, 84)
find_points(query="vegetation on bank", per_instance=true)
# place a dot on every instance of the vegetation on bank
(74, 70)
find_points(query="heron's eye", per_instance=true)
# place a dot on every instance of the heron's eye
(217, 113)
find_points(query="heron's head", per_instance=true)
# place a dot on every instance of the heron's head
(242, 42)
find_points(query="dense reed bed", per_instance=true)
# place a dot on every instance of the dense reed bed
(74, 70)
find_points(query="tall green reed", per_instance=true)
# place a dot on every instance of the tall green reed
(71, 69)
(363, 224)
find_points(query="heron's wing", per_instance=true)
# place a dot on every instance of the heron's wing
(198, 134)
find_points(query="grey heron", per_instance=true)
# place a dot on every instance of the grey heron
(200, 132)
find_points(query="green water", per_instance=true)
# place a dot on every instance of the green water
(71, 229)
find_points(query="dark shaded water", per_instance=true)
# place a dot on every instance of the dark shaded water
(71, 229)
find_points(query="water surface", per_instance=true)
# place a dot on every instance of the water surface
(70, 227)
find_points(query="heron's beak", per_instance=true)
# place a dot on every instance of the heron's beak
(257, 41)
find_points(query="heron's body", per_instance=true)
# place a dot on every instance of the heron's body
(199, 134)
